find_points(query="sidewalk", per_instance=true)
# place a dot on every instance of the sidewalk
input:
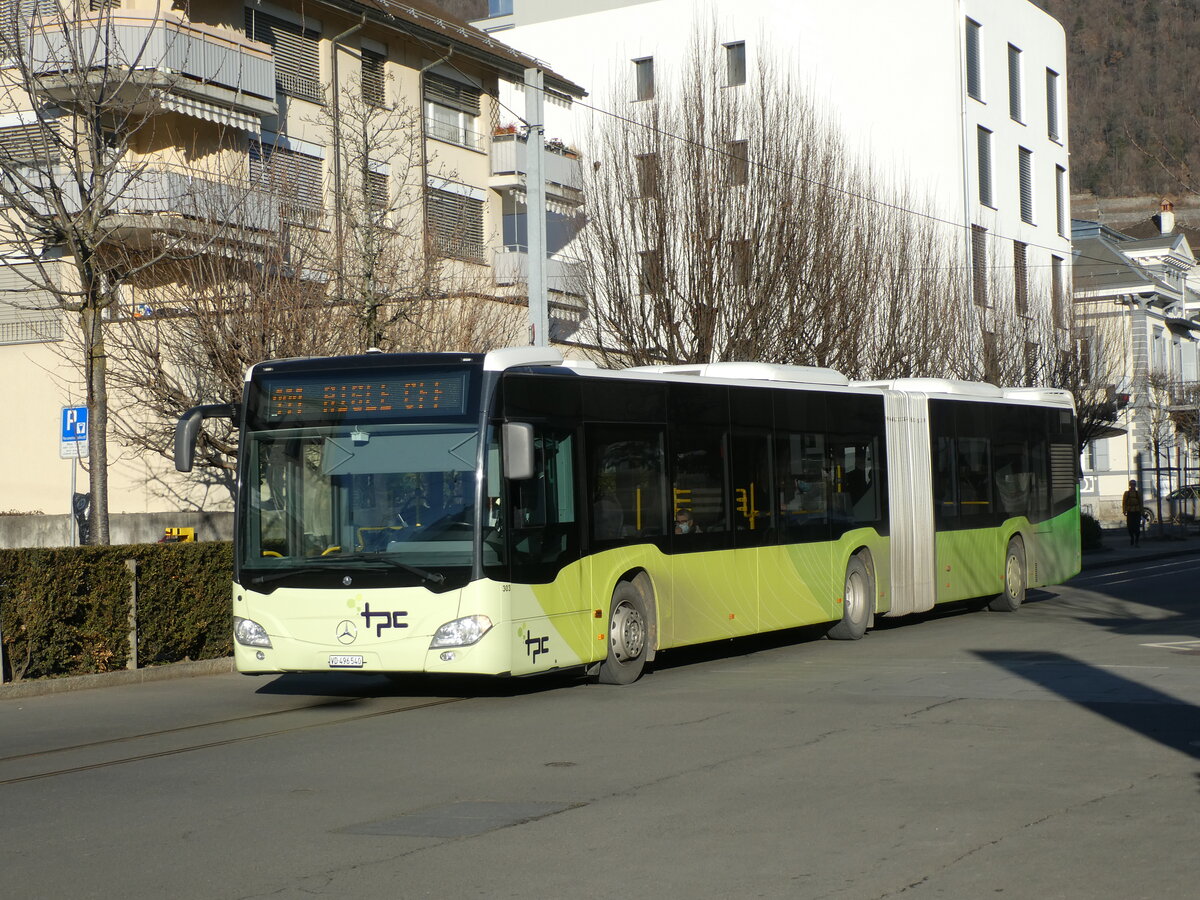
(1115, 549)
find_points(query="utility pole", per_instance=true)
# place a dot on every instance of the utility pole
(535, 210)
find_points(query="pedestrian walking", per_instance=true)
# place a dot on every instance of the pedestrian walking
(1132, 507)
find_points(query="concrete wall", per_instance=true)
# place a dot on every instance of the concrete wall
(126, 528)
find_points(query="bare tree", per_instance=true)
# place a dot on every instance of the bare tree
(85, 91)
(735, 224)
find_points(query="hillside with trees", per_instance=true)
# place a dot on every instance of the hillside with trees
(1132, 94)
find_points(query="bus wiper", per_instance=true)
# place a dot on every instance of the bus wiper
(276, 576)
(423, 574)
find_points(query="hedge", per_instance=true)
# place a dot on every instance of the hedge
(65, 611)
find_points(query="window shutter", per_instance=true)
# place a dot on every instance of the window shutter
(974, 62)
(297, 60)
(1015, 110)
(455, 224)
(985, 166)
(979, 283)
(294, 177)
(28, 143)
(1060, 199)
(1021, 276)
(373, 92)
(1025, 167)
(453, 94)
(1052, 105)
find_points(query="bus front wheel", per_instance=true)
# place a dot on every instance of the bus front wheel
(628, 637)
(857, 600)
(1014, 579)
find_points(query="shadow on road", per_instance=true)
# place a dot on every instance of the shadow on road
(1149, 712)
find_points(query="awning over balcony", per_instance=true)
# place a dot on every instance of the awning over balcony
(209, 112)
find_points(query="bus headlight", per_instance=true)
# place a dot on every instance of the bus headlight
(461, 632)
(249, 633)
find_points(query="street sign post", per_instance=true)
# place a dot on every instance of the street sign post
(73, 434)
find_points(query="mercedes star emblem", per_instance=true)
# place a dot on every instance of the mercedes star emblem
(346, 632)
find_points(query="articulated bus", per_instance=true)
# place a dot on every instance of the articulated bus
(512, 513)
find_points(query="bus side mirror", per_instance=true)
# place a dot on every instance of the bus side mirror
(188, 427)
(518, 450)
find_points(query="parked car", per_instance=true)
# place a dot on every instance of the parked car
(1184, 504)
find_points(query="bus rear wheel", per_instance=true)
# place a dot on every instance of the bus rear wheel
(628, 637)
(857, 597)
(1014, 579)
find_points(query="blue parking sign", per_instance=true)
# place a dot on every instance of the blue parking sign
(73, 436)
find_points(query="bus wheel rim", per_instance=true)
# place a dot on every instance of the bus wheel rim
(854, 598)
(1012, 573)
(628, 633)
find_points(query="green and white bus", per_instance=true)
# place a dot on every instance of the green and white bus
(512, 513)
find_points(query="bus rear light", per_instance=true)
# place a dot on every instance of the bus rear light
(461, 632)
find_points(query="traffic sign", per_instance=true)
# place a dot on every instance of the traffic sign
(73, 434)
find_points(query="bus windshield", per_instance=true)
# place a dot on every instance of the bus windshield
(339, 496)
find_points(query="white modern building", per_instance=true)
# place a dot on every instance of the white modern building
(962, 101)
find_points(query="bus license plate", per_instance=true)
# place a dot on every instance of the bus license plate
(345, 662)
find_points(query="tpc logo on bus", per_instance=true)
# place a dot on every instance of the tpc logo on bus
(73, 434)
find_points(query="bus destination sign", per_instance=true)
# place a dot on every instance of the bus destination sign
(323, 397)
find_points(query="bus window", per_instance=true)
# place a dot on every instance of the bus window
(974, 478)
(945, 497)
(855, 473)
(804, 488)
(543, 531)
(753, 511)
(625, 482)
(698, 479)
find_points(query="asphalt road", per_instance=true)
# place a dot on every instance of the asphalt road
(1049, 753)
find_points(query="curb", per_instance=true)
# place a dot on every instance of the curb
(41, 686)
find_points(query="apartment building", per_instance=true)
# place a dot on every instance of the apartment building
(247, 118)
(1139, 297)
(961, 101)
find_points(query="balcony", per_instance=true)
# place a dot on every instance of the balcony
(561, 169)
(167, 65)
(510, 267)
(145, 201)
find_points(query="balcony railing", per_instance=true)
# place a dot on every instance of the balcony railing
(453, 134)
(165, 197)
(562, 173)
(170, 56)
(511, 266)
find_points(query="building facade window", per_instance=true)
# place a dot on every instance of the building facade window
(737, 162)
(1058, 292)
(1052, 126)
(1015, 88)
(650, 272)
(646, 166)
(451, 111)
(984, 154)
(1060, 200)
(377, 186)
(735, 63)
(372, 79)
(643, 78)
(500, 7)
(296, 52)
(979, 265)
(1021, 277)
(293, 176)
(974, 60)
(1025, 176)
(741, 263)
(454, 223)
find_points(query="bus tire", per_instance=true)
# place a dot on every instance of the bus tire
(857, 599)
(1014, 579)
(628, 636)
